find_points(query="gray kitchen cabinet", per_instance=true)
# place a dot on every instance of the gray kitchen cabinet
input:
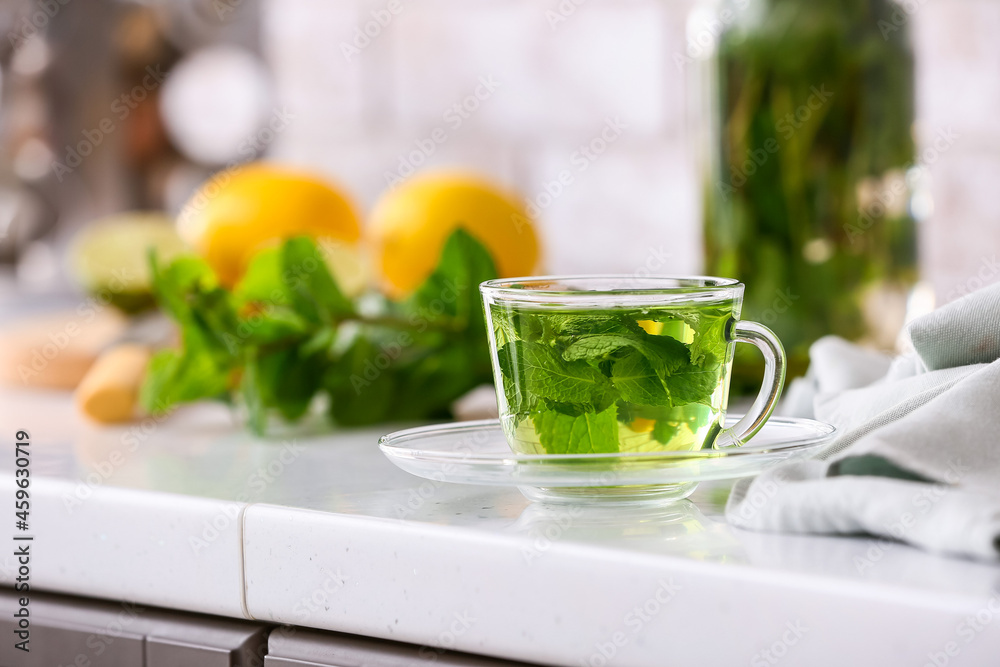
(290, 646)
(67, 631)
(78, 632)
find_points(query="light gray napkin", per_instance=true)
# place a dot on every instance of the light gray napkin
(917, 452)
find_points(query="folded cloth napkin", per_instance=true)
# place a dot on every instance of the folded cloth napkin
(917, 451)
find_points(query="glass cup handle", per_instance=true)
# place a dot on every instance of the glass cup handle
(770, 391)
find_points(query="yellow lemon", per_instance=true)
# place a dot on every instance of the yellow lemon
(651, 327)
(642, 425)
(410, 225)
(239, 212)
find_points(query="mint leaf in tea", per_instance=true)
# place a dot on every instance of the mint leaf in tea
(617, 380)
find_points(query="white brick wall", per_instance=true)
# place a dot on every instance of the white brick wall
(631, 203)
(312, 77)
(561, 76)
(553, 80)
(959, 89)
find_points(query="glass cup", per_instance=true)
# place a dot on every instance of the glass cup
(617, 363)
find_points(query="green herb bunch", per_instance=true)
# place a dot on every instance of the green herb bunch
(577, 375)
(286, 333)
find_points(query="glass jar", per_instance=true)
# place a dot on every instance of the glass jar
(809, 170)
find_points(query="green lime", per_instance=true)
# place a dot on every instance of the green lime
(110, 257)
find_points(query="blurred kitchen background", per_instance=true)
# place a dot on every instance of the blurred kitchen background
(114, 105)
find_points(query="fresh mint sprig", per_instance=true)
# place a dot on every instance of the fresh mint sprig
(287, 334)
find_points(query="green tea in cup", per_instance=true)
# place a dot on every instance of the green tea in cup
(609, 364)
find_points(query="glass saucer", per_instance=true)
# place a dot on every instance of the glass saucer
(477, 453)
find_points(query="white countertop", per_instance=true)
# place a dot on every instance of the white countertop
(322, 531)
